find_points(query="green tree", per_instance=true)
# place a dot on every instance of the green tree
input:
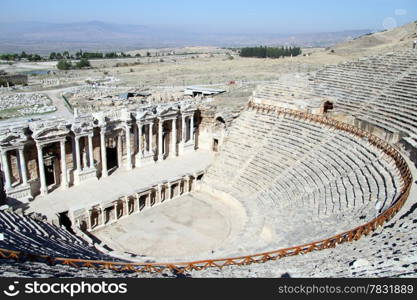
(270, 52)
(34, 57)
(83, 63)
(63, 64)
(9, 56)
(79, 54)
(111, 55)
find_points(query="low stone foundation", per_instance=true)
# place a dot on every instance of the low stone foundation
(103, 214)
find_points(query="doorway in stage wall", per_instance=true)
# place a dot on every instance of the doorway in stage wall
(52, 167)
(112, 161)
(215, 145)
(142, 202)
(49, 175)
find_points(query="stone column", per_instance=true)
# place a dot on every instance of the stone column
(116, 216)
(83, 151)
(170, 193)
(173, 150)
(89, 225)
(103, 216)
(126, 206)
(183, 134)
(44, 188)
(64, 178)
(148, 201)
(159, 195)
(77, 154)
(139, 143)
(191, 183)
(187, 184)
(128, 148)
(136, 205)
(151, 138)
(104, 171)
(135, 139)
(192, 128)
(160, 140)
(140, 136)
(90, 151)
(6, 170)
(23, 169)
(119, 151)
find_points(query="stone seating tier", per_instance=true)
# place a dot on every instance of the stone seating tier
(299, 172)
(22, 233)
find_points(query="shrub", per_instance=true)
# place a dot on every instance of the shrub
(63, 64)
(83, 63)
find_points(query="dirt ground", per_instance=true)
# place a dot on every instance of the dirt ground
(208, 66)
(170, 69)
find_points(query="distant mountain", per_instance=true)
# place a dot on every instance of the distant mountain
(43, 37)
(72, 32)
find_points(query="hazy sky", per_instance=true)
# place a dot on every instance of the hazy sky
(221, 15)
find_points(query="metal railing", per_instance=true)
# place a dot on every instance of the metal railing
(331, 242)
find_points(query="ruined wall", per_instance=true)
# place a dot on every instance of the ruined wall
(32, 162)
(205, 134)
(13, 163)
(390, 137)
(30, 154)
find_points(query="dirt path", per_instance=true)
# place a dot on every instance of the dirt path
(56, 97)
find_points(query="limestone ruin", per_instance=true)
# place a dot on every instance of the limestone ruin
(315, 161)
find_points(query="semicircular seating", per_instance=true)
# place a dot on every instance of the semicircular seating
(300, 181)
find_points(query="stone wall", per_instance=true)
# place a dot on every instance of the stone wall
(206, 128)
